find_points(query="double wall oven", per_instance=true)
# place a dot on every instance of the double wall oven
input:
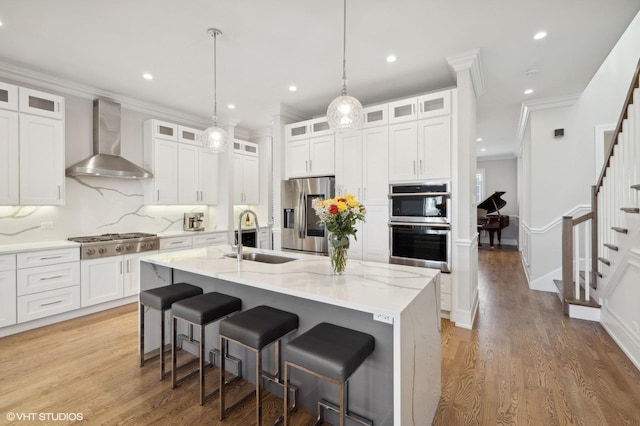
(420, 225)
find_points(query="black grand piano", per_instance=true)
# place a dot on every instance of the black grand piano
(489, 217)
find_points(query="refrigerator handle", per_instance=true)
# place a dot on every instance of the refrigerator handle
(300, 215)
(304, 216)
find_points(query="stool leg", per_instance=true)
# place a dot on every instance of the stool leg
(202, 364)
(223, 354)
(286, 394)
(174, 355)
(141, 331)
(258, 380)
(342, 404)
(162, 345)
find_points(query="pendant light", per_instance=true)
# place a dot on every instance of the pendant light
(345, 112)
(214, 138)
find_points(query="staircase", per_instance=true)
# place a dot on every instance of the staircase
(601, 240)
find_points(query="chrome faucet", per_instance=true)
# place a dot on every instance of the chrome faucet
(239, 245)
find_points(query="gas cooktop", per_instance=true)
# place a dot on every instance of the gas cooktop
(96, 246)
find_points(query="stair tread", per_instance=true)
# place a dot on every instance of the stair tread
(611, 246)
(620, 230)
(630, 209)
(590, 303)
(605, 261)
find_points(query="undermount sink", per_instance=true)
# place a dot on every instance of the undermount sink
(262, 257)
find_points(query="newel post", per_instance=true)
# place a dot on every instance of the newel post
(567, 261)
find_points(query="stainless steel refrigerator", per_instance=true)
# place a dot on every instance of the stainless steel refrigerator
(301, 227)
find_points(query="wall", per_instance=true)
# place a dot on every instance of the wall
(502, 175)
(96, 205)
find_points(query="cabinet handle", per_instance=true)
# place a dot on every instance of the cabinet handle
(364, 194)
(128, 266)
(59, 193)
(359, 194)
(413, 108)
(414, 167)
(50, 278)
(121, 267)
(310, 165)
(421, 171)
(421, 107)
(158, 195)
(51, 303)
(306, 165)
(50, 257)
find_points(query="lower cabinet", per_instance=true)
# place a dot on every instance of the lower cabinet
(131, 272)
(102, 280)
(47, 303)
(373, 236)
(445, 292)
(8, 299)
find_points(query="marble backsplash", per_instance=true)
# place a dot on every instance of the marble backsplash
(94, 205)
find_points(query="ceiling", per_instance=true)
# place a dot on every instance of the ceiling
(268, 45)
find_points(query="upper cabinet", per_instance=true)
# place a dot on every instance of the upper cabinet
(183, 172)
(31, 147)
(434, 104)
(245, 173)
(310, 149)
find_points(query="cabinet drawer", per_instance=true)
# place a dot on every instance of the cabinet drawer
(8, 96)
(175, 243)
(7, 262)
(48, 257)
(40, 305)
(209, 239)
(445, 302)
(434, 104)
(50, 277)
(40, 103)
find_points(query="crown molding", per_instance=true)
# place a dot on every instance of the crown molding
(261, 133)
(286, 112)
(470, 60)
(497, 157)
(27, 76)
(547, 103)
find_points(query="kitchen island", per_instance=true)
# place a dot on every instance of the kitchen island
(399, 384)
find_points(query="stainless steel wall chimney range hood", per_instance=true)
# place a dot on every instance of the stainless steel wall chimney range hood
(106, 161)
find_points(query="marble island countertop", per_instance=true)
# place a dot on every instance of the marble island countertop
(378, 288)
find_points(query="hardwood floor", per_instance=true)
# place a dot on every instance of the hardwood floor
(524, 364)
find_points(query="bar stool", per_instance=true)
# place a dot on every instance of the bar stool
(199, 310)
(332, 353)
(254, 329)
(161, 299)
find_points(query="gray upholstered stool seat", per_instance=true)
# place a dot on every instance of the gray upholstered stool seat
(254, 329)
(161, 299)
(200, 310)
(332, 353)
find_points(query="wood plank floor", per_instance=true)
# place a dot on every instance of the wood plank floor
(524, 364)
(527, 364)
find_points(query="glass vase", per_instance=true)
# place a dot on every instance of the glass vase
(338, 246)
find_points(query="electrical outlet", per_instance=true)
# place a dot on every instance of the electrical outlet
(46, 225)
(383, 318)
(634, 324)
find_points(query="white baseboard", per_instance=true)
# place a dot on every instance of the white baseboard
(625, 339)
(545, 282)
(584, 312)
(505, 241)
(465, 319)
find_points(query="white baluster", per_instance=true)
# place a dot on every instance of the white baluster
(576, 261)
(635, 119)
(587, 258)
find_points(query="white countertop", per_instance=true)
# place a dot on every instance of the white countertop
(378, 288)
(169, 234)
(40, 245)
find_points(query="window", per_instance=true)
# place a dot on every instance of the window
(479, 185)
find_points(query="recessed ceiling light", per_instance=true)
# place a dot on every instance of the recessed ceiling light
(391, 58)
(483, 150)
(540, 35)
(0, 23)
(479, 140)
(292, 88)
(147, 76)
(231, 106)
(528, 91)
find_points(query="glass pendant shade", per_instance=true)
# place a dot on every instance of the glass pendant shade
(345, 113)
(214, 139)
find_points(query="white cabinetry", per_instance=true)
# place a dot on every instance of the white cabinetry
(211, 239)
(183, 172)
(175, 243)
(245, 173)
(434, 104)
(31, 147)
(403, 151)
(131, 272)
(102, 280)
(445, 292)
(263, 238)
(310, 149)
(9, 158)
(7, 289)
(48, 283)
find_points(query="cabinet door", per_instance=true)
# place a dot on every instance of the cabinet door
(322, 156)
(165, 172)
(356, 246)
(297, 131)
(208, 177)
(250, 180)
(434, 104)
(41, 160)
(402, 110)
(376, 234)
(350, 174)
(188, 174)
(238, 190)
(101, 280)
(41, 103)
(376, 116)
(8, 299)
(297, 159)
(434, 148)
(188, 135)
(375, 167)
(164, 130)
(8, 96)
(9, 170)
(403, 149)
(131, 281)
